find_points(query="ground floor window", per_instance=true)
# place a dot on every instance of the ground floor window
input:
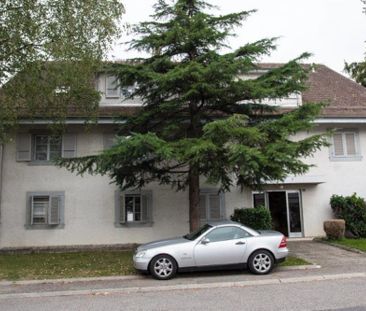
(45, 209)
(212, 205)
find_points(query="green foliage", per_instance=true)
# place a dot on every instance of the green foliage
(258, 218)
(73, 35)
(353, 210)
(357, 71)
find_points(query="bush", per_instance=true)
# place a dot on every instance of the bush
(353, 210)
(258, 218)
(334, 228)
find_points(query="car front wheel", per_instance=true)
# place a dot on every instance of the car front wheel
(163, 267)
(261, 262)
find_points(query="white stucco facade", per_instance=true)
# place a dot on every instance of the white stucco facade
(89, 207)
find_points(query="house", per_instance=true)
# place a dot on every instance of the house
(43, 205)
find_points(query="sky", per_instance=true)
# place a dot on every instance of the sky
(334, 31)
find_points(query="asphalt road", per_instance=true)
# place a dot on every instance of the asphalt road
(344, 294)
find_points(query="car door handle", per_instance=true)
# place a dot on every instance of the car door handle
(239, 243)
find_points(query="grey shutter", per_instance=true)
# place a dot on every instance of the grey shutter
(120, 212)
(202, 209)
(351, 143)
(54, 210)
(30, 202)
(338, 148)
(146, 204)
(23, 147)
(108, 140)
(69, 145)
(214, 204)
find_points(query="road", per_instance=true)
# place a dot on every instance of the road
(341, 294)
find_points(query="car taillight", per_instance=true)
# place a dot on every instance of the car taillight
(283, 243)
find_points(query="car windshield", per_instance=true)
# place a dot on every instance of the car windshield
(196, 233)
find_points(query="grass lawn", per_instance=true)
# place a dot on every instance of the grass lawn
(294, 261)
(65, 265)
(354, 243)
(80, 264)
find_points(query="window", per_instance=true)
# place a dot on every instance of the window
(45, 209)
(345, 145)
(211, 205)
(47, 148)
(112, 89)
(43, 147)
(226, 233)
(134, 208)
(259, 199)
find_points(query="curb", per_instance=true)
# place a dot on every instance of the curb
(124, 277)
(109, 291)
(73, 280)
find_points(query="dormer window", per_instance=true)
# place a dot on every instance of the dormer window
(112, 87)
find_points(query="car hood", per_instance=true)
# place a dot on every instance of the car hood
(161, 243)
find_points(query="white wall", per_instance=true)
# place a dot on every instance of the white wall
(89, 200)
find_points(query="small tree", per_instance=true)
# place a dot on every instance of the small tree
(199, 118)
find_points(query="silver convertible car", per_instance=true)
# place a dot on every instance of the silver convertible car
(214, 246)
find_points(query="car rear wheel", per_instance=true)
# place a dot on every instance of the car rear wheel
(163, 267)
(261, 262)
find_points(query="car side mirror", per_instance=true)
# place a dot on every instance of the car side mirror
(205, 241)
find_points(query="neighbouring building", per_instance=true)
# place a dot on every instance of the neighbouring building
(44, 205)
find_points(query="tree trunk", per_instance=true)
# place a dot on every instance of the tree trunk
(194, 199)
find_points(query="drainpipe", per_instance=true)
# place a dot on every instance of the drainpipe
(1, 175)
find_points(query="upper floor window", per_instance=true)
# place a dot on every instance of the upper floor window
(47, 147)
(345, 145)
(112, 89)
(43, 147)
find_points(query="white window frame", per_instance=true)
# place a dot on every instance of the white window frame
(345, 156)
(107, 89)
(134, 196)
(48, 158)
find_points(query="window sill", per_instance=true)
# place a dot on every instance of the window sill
(41, 163)
(134, 224)
(43, 227)
(345, 159)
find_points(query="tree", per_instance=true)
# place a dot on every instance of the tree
(357, 70)
(49, 52)
(199, 119)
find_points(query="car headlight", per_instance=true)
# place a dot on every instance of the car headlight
(140, 254)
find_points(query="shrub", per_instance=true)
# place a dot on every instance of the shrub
(353, 210)
(258, 218)
(334, 228)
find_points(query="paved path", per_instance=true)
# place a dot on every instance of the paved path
(336, 263)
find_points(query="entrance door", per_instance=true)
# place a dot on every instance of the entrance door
(285, 207)
(294, 214)
(277, 202)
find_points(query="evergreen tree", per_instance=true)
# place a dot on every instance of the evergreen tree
(200, 118)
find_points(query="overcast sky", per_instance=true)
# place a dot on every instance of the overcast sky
(334, 31)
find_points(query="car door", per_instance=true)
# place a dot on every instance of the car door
(221, 246)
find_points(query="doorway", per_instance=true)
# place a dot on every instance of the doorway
(285, 208)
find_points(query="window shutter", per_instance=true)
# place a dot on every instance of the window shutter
(122, 209)
(54, 210)
(146, 203)
(202, 210)
(350, 143)
(338, 144)
(69, 146)
(30, 199)
(108, 140)
(214, 203)
(23, 147)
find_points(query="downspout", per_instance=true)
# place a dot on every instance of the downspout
(1, 175)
